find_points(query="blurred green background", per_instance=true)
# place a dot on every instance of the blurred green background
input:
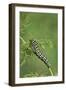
(42, 27)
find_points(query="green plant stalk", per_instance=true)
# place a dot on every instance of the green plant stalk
(22, 40)
(51, 71)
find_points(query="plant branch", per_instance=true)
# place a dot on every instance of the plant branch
(51, 71)
(24, 42)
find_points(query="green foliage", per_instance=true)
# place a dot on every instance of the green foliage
(43, 28)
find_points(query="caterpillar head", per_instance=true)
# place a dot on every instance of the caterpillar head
(33, 42)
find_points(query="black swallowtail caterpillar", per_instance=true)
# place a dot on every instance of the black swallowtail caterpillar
(38, 52)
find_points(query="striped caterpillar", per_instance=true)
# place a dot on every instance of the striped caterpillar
(38, 52)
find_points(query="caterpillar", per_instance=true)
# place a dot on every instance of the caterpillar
(35, 48)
